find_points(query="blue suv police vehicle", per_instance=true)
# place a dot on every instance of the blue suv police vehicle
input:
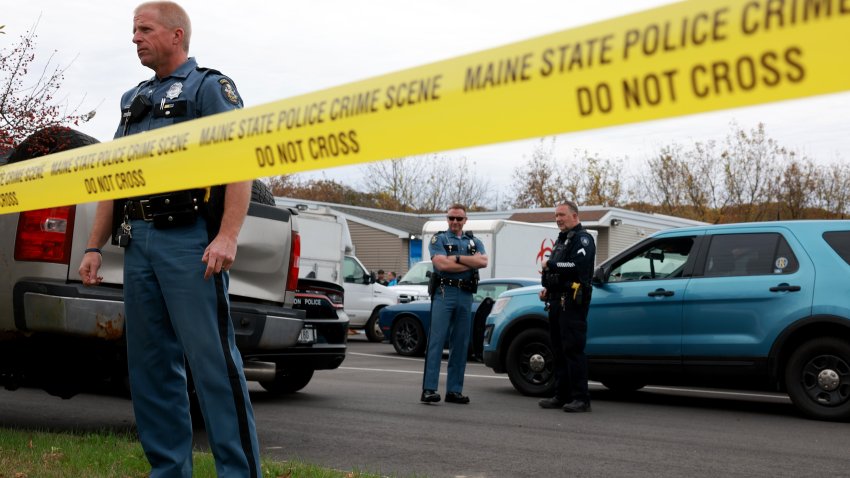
(748, 306)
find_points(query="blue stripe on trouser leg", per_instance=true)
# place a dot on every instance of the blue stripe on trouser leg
(450, 316)
(170, 261)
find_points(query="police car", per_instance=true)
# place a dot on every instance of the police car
(756, 306)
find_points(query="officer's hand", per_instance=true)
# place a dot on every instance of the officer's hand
(89, 268)
(544, 294)
(219, 255)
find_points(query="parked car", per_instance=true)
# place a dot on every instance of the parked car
(406, 325)
(755, 306)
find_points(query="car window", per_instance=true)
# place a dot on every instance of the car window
(840, 242)
(748, 255)
(419, 274)
(661, 259)
(352, 272)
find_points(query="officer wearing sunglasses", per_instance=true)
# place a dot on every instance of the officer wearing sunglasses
(456, 256)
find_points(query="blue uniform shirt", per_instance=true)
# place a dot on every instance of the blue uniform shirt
(188, 93)
(447, 244)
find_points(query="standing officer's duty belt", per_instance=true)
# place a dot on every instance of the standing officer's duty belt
(465, 285)
(167, 210)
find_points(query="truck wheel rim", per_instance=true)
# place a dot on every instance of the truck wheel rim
(826, 380)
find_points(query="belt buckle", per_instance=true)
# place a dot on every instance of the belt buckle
(144, 208)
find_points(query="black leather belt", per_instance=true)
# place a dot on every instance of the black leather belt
(454, 282)
(178, 202)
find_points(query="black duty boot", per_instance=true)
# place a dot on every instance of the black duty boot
(577, 406)
(456, 397)
(553, 402)
(430, 396)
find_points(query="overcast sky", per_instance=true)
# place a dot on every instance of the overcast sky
(275, 50)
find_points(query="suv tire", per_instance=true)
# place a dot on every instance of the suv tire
(818, 378)
(531, 363)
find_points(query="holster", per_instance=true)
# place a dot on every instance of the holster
(471, 285)
(433, 283)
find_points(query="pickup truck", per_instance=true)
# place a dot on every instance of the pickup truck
(63, 337)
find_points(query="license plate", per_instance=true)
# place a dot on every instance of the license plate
(307, 336)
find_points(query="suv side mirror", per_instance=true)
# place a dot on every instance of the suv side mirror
(371, 278)
(599, 275)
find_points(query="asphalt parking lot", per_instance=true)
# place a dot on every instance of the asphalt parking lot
(367, 416)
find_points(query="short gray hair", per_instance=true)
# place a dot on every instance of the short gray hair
(570, 204)
(171, 16)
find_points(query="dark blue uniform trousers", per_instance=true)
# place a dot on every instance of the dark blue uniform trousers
(172, 313)
(568, 334)
(450, 315)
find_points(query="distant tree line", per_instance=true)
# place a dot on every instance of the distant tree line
(746, 177)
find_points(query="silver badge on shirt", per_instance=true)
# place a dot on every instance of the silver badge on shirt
(174, 90)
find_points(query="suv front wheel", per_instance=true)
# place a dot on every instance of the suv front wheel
(531, 363)
(818, 378)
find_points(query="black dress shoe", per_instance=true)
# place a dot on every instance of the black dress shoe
(430, 396)
(553, 402)
(577, 406)
(456, 397)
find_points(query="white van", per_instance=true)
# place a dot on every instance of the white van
(364, 298)
(327, 254)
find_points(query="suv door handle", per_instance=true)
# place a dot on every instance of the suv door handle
(660, 293)
(785, 288)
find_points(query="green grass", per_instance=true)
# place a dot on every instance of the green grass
(35, 454)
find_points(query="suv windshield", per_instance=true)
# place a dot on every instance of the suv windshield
(418, 274)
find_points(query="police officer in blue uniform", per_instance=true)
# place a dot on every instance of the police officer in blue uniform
(456, 257)
(566, 290)
(178, 248)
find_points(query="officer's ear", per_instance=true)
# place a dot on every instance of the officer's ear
(179, 33)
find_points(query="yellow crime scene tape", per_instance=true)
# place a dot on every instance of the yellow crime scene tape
(680, 59)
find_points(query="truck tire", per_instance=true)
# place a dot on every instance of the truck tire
(373, 329)
(531, 363)
(52, 139)
(288, 382)
(408, 337)
(260, 193)
(818, 378)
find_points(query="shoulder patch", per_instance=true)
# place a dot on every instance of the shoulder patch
(585, 241)
(434, 239)
(228, 91)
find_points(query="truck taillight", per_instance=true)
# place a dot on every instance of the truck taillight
(45, 235)
(294, 262)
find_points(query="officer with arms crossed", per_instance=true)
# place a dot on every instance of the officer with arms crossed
(178, 248)
(566, 290)
(456, 257)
